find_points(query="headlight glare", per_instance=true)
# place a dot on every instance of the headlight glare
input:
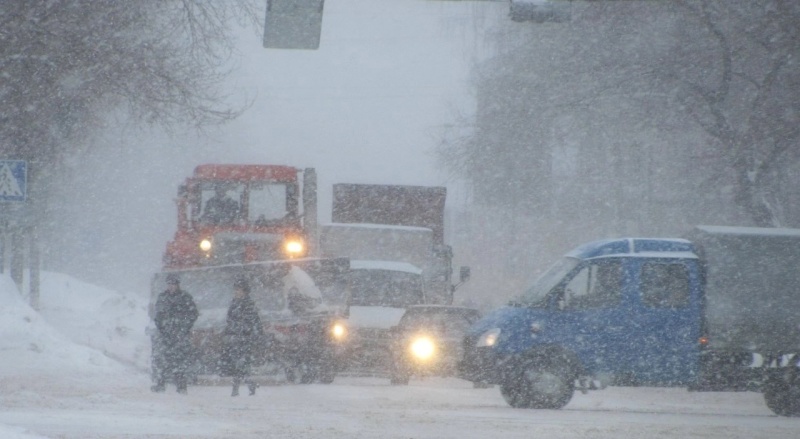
(294, 247)
(422, 348)
(339, 331)
(488, 338)
(205, 244)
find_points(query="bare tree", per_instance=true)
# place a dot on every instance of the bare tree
(746, 96)
(65, 63)
(716, 82)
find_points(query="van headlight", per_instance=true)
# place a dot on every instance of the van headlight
(488, 338)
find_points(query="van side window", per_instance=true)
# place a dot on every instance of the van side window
(595, 286)
(665, 285)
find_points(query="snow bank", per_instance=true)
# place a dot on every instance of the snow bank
(34, 351)
(8, 432)
(117, 324)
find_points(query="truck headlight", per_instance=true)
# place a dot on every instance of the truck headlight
(488, 338)
(422, 348)
(294, 248)
(205, 245)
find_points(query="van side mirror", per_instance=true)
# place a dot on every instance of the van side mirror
(464, 274)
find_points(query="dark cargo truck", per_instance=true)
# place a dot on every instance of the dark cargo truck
(718, 311)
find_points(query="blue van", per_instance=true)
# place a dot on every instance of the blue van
(650, 312)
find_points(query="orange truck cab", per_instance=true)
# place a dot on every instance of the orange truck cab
(234, 214)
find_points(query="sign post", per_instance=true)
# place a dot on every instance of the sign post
(15, 229)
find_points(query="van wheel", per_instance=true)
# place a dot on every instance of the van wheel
(538, 383)
(782, 393)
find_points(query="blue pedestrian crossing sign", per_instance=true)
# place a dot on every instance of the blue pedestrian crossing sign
(13, 180)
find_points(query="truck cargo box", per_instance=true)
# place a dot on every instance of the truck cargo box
(752, 287)
(417, 206)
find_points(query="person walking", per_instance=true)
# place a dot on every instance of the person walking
(243, 331)
(175, 314)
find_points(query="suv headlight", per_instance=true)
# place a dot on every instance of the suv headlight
(488, 338)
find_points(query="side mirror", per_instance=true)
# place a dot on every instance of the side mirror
(464, 274)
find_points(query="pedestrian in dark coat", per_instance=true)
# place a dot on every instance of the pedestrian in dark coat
(243, 331)
(175, 314)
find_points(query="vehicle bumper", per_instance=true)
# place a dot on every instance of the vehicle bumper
(481, 365)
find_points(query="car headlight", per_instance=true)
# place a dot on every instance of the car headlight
(339, 331)
(422, 348)
(488, 338)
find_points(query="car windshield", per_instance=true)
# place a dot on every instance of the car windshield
(442, 319)
(536, 294)
(385, 288)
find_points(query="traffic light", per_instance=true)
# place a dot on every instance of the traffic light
(293, 24)
(540, 11)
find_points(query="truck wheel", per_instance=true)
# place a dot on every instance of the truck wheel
(538, 383)
(782, 393)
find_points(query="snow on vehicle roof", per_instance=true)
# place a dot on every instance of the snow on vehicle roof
(305, 285)
(636, 247)
(764, 231)
(438, 307)
(378, 226)
(385, 265)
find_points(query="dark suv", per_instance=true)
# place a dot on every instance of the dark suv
(428, 341)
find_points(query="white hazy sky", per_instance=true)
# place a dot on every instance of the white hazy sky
(364, 108)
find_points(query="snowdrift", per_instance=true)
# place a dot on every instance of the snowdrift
(81, 332)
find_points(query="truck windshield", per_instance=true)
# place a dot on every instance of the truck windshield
(537, 293)
(258, 203)
(395, 289)
(268, 203)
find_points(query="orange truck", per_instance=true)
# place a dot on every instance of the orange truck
(257, 221)
(271, 215)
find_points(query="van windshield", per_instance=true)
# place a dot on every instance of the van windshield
(536, 294)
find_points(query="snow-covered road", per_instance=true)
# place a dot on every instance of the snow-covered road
(371, 408)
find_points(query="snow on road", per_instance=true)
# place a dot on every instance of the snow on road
(56, 382)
